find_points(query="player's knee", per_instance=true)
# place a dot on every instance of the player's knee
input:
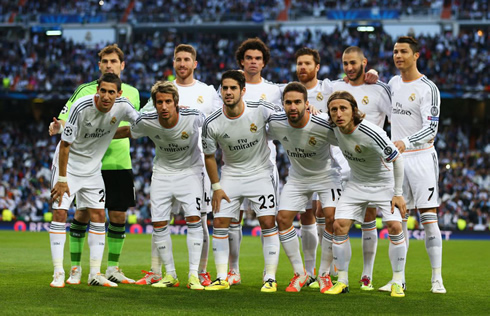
(283, 220)
(308, 217)
(59, 216)
(97, 215)
(117, 217)
(394, 228)
(341, 227)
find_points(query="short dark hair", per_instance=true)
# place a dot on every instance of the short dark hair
(308, 51)
(164, 87)
(354, 49)
(414, 45)
(111, 78)
(186, 48)
(236, 75)
(344, 95)
(252, 43)
(112, 49)
(298, 87)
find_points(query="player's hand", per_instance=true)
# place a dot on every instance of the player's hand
(218, 195)
(59, 189)
(400, 145)
(54, 127)
(313, 110)
(399, 202)
(371, 76)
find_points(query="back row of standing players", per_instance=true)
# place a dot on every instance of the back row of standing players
(413, 106)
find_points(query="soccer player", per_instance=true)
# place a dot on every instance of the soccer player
(91, 124)
(312, 170)
(193, 94)
(177, 176)
(307, 67)
(239, 128)
(414, 123)
(376, 178)
(118, 178)
(252, 56)
(374, 100)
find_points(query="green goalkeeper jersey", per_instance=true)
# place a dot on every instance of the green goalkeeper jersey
(117, 156)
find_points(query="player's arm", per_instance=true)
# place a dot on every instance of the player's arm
(371, 76)
(218, 193)
(61, 187)
(398, 200)
(122, 132)
(56, 126)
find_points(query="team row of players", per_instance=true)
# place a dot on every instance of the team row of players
(242, 160)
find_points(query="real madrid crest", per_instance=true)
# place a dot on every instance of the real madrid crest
(358, 149)
(114, 120)
(365, 100)
(184, 135)
(312, 141)
(263, 96)
(412, 97)
(253, 128)
(200, 99)
(319, 96)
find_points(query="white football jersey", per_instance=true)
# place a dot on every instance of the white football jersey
(265, 90)
(369, 152)
(308, 147)
(243, 139)
(176, 148)
(415, 112)
(90, 132)
(318, 95)
(374, 100)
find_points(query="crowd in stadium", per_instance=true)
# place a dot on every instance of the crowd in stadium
(27, 154)
(219, 10)
(454, 63)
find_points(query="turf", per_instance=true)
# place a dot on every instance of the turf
(26, 271)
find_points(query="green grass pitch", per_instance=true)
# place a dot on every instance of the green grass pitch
(26, 271)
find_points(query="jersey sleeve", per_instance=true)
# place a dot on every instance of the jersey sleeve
(131, 114)
(217, 102)
(209, 140)
(70, 132)
(430, 107)
(200, 119)
(138, 128)
(269, 108)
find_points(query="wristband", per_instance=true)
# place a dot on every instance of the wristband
(61, 129)
(62, 179)
(398, 192)
(216, 186)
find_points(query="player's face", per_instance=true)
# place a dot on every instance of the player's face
(306, 69)
(404, 57)
(110, 63)
(231, 92)
(184, 65)
(340, 111)
(108, 93)
(354, 66)
(253, 61)
(165, 105)
(295, 106)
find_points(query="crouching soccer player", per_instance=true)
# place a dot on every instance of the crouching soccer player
(312, 170)
(91, 124)
(376, 178)
(178, 175)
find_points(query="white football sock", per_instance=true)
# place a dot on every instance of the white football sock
(235, 239)
(194, 245)
(96, 243)
(342, 254)
(221, 251)
(57, 239)
(163, 243)
(290, 243)
(369, 246)
(271, 248)
(309, 241)
(433, 243)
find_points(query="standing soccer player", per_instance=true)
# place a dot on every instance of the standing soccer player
(193, 94)
(91, 124)
(414, 120)
(376, 178)
(178, 176)
(239, 128)
(374, 100)
(312, 170)
(118, 178)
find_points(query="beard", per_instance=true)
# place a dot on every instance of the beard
(306, 77)
(358, 74)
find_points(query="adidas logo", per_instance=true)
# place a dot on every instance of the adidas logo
(285, 139)
(157, 137)
(226, 136)
(88, 124)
